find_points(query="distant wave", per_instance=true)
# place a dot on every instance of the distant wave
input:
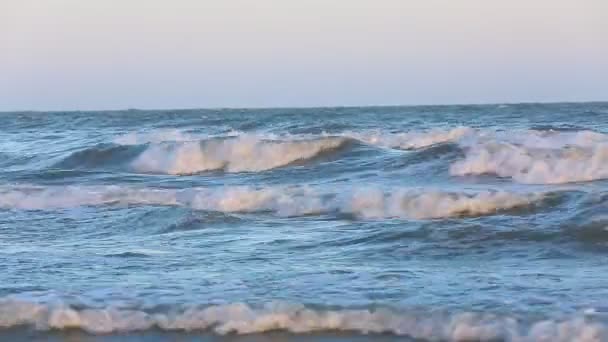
(366, 203)
(240, 318)
(128, 255)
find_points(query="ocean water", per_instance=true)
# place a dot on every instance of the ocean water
(434, 223)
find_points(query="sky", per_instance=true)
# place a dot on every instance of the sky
(161, 54)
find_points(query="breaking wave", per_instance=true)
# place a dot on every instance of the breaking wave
(537, 157)
(157, 136)
(411, 140)
(400, 140)
(526, 156)
(240, 318)
(238, 152)
(181, 153)
(366, 203)
(244, 153)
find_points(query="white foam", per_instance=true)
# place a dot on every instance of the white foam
(411, 140)
(365, 203)
(236, 151)
(401, 140)
(241, 318)
(243, 153)
(535, 138)
(263, 151)
(537, 157)
(526, 156)
(156, 136)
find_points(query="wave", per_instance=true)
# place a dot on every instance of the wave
(189, 155)
(367, 203)
(102, 155)
(128, 255)
(182, 153)
(241, 318)
(239, 152)
(536, 138)
(537, 157)
(244, 153)
(526, 156)
(400, 140)
(411, 140)
(157, 136)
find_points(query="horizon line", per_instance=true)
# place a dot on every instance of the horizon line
(135, 109)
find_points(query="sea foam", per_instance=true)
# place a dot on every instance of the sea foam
(526, 156)
(411, 140)
(178, 153)
(241, 318)
(382, 138)
(537, 157)
(243, 153)
(368, 203)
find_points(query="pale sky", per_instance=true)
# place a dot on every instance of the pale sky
(116, 54)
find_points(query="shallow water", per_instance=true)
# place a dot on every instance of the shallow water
(444, 223)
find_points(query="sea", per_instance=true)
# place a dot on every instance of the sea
(417, 223)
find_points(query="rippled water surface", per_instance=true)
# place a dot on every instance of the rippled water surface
(448, 223)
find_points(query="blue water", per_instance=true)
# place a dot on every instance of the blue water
(434, 223)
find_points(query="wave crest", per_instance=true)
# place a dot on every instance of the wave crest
(366, 203)
(411, 140)
(241, 318)
(549, 158)
(175, 152)
(238, 152)
(244, 153)
(526, 156)
(403, 140)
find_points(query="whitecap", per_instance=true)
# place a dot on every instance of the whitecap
(241, 318)
(285, 201)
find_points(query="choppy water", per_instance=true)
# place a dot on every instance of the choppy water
(443, 223)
